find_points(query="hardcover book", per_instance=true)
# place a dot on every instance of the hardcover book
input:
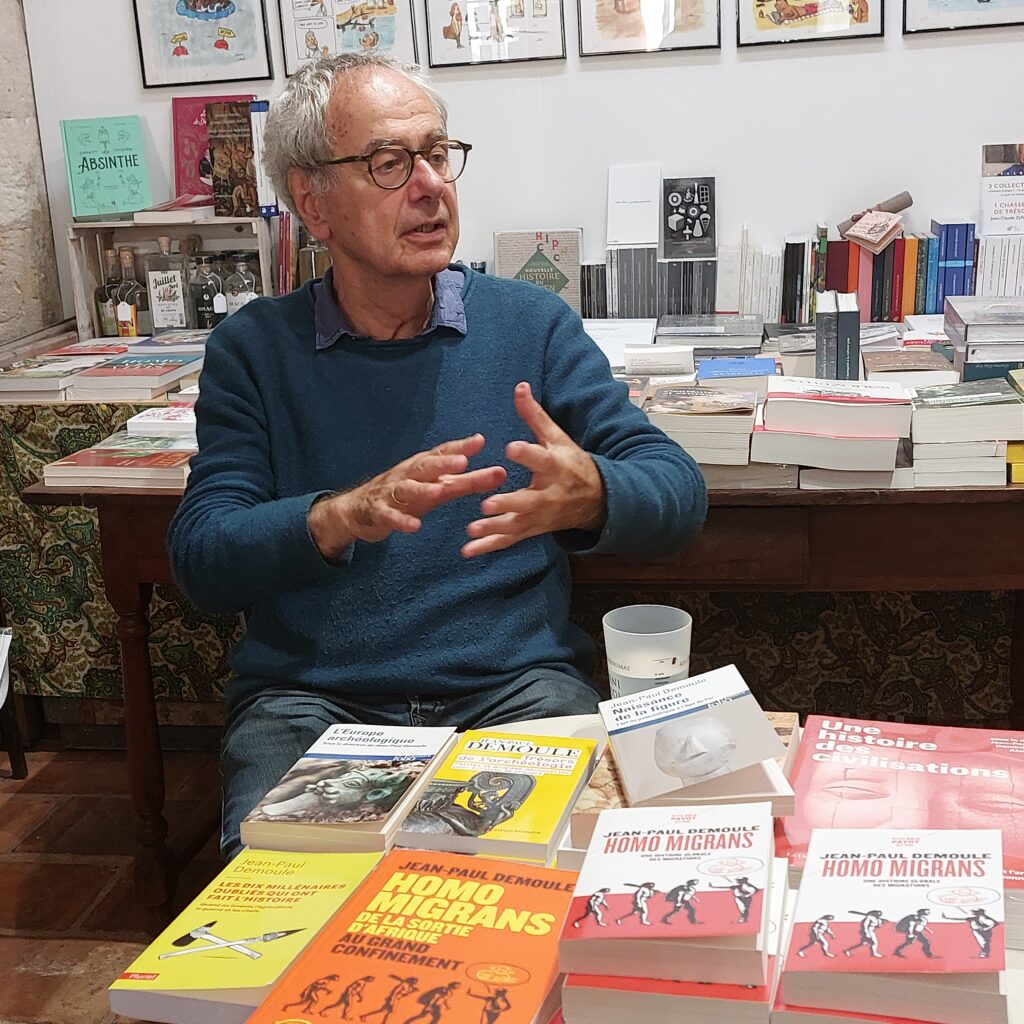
(349, 791)
(897, 921)
(676, 894)
(233, 159)
(505, 793)
(875, 230)
(679, 739)
(688, 218)
(193, 167)
(222, 955)
(436, 937)
(550, 259)
(106, 165)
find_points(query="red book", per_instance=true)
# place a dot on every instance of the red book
(149, 366)
(193, 171)
(853, 773)
(837, 266)
(865, 272)
(899, 253)
(100, 458)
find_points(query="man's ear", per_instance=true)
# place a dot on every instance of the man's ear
(309, 204)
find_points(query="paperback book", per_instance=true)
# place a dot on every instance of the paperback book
(233, 159)
(349, 791)
(899, 922)
(550, 259)
(219, 958)
(508, 794)
(106, 166)
(687, 739)
(688, 218)
(674, 893)
(438, 937)
(193, 167)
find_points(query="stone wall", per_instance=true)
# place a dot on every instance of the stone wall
(29, 292)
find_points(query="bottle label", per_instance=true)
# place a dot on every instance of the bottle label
(127, 320)
(108, 318)
(236, 300)
(166, 299)
(220, 304)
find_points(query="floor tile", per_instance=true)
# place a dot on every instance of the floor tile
(60, 981)
(97, 826)
(37, 896)
(20, 813)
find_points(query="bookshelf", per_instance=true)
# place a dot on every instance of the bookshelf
(87, 239)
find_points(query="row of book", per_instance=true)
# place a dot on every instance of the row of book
(902, 842)
(108, 369)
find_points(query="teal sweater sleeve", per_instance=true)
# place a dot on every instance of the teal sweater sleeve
(656, 498)
(235, 540)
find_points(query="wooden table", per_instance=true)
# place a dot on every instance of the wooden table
(962, 539)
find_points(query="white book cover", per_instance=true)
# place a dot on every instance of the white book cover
(634, 204)
(659, 359)
(883, 901)
(176, 419)
(685, 733)
(842, 391)
(612, 336)
(355, 776)
(674, 872)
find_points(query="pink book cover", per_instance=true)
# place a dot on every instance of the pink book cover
(193, 172)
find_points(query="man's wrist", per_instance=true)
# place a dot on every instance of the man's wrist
(594, 523)
(327, 524)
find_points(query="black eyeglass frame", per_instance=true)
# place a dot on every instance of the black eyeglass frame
(466, 147)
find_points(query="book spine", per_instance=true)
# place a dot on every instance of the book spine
(899, 249)
(877, 275)
(266, 195)
(909, 276)
(822, 269)
(848, 345)
(931, 301)
(940, 277)
(988, 371)
(921, 291)
(969, 258)
(887, 264)
(837, 266)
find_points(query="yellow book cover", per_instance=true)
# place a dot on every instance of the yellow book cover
(1015, 451)
(500, 794)
(1017, 472)
(220, 957)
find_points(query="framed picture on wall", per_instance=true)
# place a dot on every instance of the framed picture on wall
(782, 21)
(314, 28)
(193, 42)
(637, 26)
(939, 15)
(493, 31)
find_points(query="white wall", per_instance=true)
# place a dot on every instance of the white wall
(795, 134)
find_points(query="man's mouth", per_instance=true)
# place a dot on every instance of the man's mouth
(427, 229)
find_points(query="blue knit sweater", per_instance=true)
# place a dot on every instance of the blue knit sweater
(280, 423)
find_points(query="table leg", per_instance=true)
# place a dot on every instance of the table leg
(1017, 661)
(154, 868)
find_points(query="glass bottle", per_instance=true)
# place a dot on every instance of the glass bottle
(208, 295)
(133, 316)
(240, 287)
(106, 311)
(167, 280)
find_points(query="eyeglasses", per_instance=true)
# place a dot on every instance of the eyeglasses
(391, 166)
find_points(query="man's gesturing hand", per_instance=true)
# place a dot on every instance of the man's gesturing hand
(565, 492)
(397, 500)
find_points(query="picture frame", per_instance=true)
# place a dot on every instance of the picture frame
(764, 22)
(928, 16)
(311, 28)
(616, 27)
(471, 32)
(198, 42)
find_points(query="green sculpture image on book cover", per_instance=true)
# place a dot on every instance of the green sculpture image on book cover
(106, 165)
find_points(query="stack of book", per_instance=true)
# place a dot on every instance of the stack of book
(730, 335)
(795, 344)
(837, 336)
(750, 373)
(175, 420)
(45, 379)
(133, 377)
(838, 425)
(123, 460)
(950, 421)
(899, 479)
(987, 335)
(712, 425)
(904, 923)
(671, 917)
(916, 366)
(1015, 461)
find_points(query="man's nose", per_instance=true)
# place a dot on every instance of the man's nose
(424, 180)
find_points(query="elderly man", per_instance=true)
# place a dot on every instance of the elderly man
(396, 461)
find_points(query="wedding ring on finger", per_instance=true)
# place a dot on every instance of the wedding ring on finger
(395, 498)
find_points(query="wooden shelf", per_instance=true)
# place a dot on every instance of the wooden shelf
(94, 225)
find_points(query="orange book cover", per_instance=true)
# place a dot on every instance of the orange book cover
(909, 274)
(853, 267)
(438, 938)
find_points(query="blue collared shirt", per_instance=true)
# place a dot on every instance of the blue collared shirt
(448, 309)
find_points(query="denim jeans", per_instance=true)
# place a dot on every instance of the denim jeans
(265, 735)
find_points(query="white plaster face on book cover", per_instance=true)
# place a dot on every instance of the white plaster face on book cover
(693, 751)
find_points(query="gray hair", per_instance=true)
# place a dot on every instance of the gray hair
(296, 132)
